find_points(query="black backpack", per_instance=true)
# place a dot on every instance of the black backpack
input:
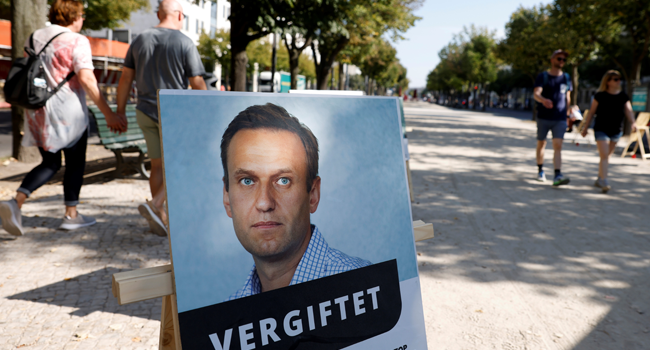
(26, 85)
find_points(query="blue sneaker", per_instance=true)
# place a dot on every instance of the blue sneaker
(560, 180)
(541, 177)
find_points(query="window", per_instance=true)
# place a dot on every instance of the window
(213, 12)
(197, 27)
(187, 23)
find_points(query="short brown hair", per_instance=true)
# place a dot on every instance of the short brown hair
(64, 12)
(270, 116)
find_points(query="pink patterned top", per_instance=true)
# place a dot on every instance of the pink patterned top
(64, 119)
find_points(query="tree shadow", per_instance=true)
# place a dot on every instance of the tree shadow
(88, 293)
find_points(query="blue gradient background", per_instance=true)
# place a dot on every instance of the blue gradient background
(364, 209)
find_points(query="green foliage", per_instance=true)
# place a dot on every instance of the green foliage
(99, 13)
(530, 40)
(469, 58)
(5, 9)
(215, 49)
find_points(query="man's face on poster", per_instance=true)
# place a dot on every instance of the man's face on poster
(267, 196)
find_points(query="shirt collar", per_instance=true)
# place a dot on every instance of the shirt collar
(313, 256)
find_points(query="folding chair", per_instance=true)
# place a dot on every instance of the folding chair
(577, 131)
(641, 128)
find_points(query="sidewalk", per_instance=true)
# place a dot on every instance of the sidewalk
(515, 264)
(518, 264)
(55, 286)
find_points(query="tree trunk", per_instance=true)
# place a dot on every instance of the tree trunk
(575, 85)
(26, 17)
(238, 72)
(341, 77)
(328, 52)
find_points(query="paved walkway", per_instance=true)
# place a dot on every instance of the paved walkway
(518, 264)
(515, 264)
(55, 286)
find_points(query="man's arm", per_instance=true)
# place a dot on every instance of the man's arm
(537, 95)
(568, 103)
(89, 84)
(197, 83)
(124, 89)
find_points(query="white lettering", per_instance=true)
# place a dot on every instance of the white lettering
(245, 336)
(358, 303)
(214, 338)
(267, 328)
(373, 293)
(310, 318)
(297, 324)
(341, 301)
(324, 312)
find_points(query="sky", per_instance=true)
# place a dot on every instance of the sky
(441, 19)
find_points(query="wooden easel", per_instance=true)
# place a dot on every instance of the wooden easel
(158, 282)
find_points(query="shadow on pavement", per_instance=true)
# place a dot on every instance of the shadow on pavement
(499, 224)
(88, 293)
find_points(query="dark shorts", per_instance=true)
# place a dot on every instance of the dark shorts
(602, 136)
(557, 128)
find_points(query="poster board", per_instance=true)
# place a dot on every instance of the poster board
(364, 213)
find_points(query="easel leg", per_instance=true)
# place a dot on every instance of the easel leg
(167, 335)
(408, 174)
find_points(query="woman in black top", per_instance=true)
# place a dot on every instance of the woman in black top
(610, 105)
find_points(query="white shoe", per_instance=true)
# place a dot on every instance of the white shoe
(541, 177)
(155, 224)
(12, 220)
(78, 222)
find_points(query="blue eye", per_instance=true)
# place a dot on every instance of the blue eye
(283, 181)
(246, 181)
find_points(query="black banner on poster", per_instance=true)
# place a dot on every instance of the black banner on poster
(328, 313)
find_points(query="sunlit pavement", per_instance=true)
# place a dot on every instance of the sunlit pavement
(518, 264)
(515, 264)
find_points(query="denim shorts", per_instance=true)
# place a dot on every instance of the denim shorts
(557, 128)
(602, 136)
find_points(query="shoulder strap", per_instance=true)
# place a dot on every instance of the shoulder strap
(67, 78)
(567, 78)
(545, 73)
(48, 43)
(31, 41)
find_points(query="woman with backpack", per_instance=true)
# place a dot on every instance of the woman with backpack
(62, 124)
(610, 105)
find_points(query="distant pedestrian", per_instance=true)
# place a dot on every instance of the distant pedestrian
(610, 105)
(552, 91)
(62, 125)
(159, 58)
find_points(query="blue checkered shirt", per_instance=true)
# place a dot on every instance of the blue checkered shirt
(318, 261)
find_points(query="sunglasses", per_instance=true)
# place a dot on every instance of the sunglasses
(561, 59)
(615, 79)
(184, 15)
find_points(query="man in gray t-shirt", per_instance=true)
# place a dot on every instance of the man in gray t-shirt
(159, 58)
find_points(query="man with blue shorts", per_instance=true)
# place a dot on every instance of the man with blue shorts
(553, 94)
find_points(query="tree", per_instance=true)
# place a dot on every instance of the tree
(249, 21)
(99, 13)
(478, 58)
(530, 40)
(359, 22)
(26, 17)
(216, 49)
(581, 33)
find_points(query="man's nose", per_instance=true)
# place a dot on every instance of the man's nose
(265, 200)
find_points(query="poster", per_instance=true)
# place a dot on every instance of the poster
(307, 242)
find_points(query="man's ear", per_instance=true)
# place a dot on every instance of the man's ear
(314, 195)
(226, 199)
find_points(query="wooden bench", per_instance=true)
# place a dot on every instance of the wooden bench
(131, 141)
